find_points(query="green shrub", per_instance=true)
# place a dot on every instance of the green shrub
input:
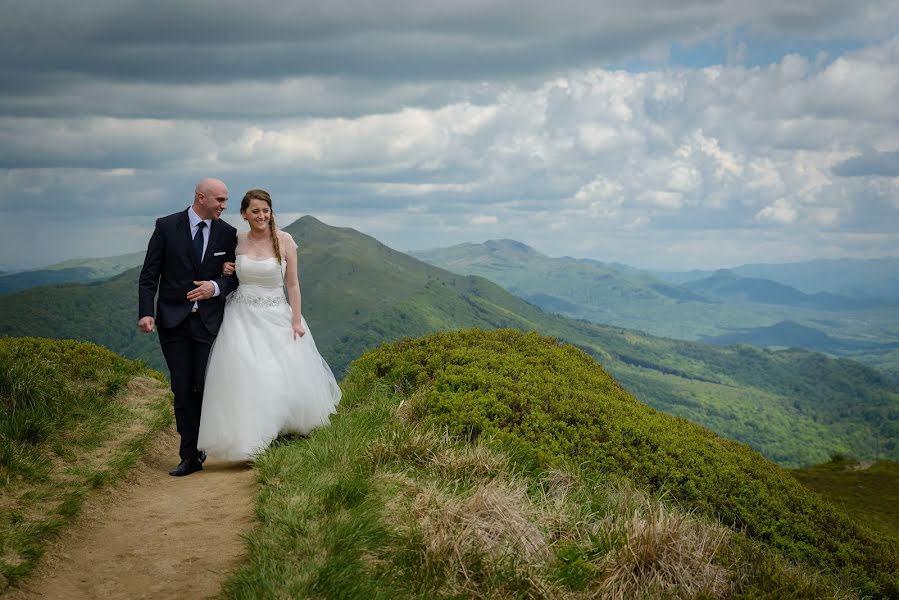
(557, 406)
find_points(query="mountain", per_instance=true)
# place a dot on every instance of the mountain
(795, 335)
(527, 273)
(80, 270)
(793, 406)
(728, 285)
(876, 278)
(710, 305)
(862, 278)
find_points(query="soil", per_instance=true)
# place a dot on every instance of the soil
(154, 535)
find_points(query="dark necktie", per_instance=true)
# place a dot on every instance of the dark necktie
(198, 241)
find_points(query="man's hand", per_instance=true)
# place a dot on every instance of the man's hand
(147, 324)
(204, 290)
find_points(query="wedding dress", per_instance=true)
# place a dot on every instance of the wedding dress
(260, 381)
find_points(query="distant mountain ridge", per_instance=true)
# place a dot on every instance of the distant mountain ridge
(79, 270)
(795, 407)
(853, 277)
(531, 266)
(702, 306)
(728, 284)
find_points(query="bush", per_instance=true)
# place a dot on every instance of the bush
(558, 407)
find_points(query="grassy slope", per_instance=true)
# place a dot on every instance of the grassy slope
(869, 492)
(357, 293)
(503, 465)
(597, 292)
(65, 429)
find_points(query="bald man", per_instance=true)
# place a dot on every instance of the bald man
(184, 264)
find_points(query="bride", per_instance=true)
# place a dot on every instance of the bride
(265, 375)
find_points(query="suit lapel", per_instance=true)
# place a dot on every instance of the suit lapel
(214, 231)
(188, 240)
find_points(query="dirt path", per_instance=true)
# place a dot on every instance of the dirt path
(155, 536)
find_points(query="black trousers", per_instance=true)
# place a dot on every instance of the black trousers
(186, 349)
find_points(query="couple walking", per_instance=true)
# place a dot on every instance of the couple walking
(244, 367)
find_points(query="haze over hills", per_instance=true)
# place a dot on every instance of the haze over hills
(712, 307)
(854, 277)
(726, 284)
(79, 270)
(795, 407)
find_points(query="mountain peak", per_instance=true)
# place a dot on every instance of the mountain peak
(506, 245)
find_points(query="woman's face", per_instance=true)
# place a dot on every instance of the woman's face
(258, 214)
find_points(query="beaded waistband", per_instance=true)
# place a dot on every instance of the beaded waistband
(258, 296)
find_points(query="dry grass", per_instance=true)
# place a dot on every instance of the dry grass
(410, 410)
(477, 542)
(494, 531)
(471, 462)
(666, 551)
(408, 446)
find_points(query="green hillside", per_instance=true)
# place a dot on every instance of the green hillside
(507, 465)
(868, 491)
(716, 307)
(795, 407)
(73, 417)
(79, 270)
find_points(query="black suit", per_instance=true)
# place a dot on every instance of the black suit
(186, 336)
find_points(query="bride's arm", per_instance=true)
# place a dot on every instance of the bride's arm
(292, 283)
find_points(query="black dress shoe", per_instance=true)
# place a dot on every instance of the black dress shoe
(186, 467)
(201, 456)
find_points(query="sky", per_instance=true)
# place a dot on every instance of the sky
(661, 134)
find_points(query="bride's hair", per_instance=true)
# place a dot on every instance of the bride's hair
(265, 197)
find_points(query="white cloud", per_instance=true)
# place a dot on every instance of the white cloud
(780, 213)
(483, 220)
(549, 153)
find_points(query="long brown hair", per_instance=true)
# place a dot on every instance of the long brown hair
(265, 197)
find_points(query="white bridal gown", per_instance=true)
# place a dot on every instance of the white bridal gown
(260, 381)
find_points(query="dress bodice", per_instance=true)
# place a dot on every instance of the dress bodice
(261, 272)
(261, 282)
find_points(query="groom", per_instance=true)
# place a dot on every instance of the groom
(184, 264)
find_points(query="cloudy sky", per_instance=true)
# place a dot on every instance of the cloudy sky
(658, 133)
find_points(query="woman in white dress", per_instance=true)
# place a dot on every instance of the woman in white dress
(265, 375)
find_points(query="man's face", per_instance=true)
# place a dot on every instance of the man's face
(213, 201)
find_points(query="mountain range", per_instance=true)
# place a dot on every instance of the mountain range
(79, 270)
(721, 306)
(794, 406)
(854, 277)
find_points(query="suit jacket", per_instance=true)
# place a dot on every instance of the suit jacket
(171, 267)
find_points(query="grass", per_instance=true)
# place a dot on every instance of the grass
(868, 491)
(73, 417)
(389, 502)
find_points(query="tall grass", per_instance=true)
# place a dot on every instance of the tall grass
(382, 504)
(63, 431)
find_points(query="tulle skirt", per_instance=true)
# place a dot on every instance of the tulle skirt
(260, 382)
